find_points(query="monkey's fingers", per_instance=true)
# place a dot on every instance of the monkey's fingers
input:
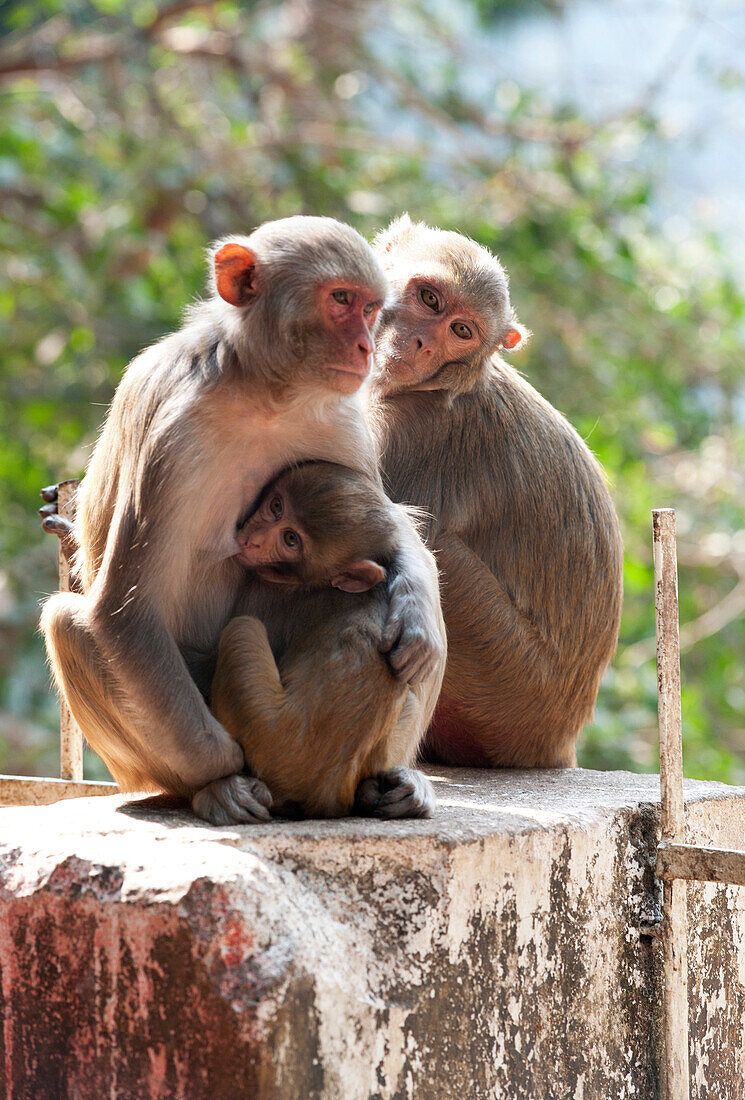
(54, 524)
(49, 493)
(397, 646)
(408, 794)
(412, 646)
(48, 510)
(367, 796)
(233, 800)
(63, 529)
(411, 660)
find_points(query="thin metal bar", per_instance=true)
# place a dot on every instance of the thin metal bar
(675, 1082)
(71, 739)
(699, 863)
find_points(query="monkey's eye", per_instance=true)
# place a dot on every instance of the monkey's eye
(275, 507)
(370, 308)
(429, 298)
(343, 297)
(461, 330)
(292, 539)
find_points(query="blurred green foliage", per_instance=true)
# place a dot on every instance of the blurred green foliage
(131, 134)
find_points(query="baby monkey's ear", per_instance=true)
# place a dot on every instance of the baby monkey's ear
(359, 576)
(235, 273)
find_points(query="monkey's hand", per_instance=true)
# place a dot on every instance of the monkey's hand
(54, 524)
(233, 800)
(413, 635)
(414, 631)
(399, 792)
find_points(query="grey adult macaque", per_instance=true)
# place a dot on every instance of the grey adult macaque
(304, 687)
(263, 373)
(524, 530)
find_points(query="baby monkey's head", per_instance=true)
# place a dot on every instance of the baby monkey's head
(320, 524)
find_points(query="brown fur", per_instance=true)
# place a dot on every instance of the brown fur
(307, 674)
(525, 533)
(198, 425)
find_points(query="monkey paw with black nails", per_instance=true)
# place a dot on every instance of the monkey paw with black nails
(398, 792)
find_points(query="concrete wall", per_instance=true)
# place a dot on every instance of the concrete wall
(500, 950)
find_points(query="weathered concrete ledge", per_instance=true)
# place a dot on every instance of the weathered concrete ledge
(502, 949)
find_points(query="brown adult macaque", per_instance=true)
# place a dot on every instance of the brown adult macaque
(525, 533)
(265, 372)
(304, 687)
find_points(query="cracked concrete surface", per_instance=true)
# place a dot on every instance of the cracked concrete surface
(500, 949)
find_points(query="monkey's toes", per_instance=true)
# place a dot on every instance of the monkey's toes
(259, 790)
(233, 800)
(49, 493)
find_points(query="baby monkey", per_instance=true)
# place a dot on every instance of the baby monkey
(301, 683)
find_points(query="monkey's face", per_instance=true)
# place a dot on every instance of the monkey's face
(448, 310)
(303, 296)
(319, 524)
(340, 344)
(431, 337)
(271, 543)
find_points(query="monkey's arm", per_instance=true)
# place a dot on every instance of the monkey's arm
(480, 610)
(414, 631)
(414, 635)
(136, 526)
(503, 697)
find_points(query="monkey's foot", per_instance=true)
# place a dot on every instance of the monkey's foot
(399, 792)
(233, 800)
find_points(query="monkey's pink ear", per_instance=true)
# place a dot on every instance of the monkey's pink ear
(514, 337)
(397, 232)
(235, 273)
(359, 576)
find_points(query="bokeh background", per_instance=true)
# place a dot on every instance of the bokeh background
(598, 146)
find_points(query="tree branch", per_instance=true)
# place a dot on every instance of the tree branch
(99, 49)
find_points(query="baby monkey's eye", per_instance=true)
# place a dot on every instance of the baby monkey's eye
(429, 298)
(461, 330)
(341, 296)
(292, 539)
(275, 507)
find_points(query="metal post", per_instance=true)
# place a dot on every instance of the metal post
(675, 1083)
(71, 739)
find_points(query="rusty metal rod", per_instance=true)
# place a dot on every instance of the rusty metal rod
(675, 1078)
(71, 739)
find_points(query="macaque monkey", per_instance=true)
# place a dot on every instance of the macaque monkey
(524, 530)
(267, 371)
(305, 689)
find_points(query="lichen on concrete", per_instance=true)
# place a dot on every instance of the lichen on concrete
(503, 949)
